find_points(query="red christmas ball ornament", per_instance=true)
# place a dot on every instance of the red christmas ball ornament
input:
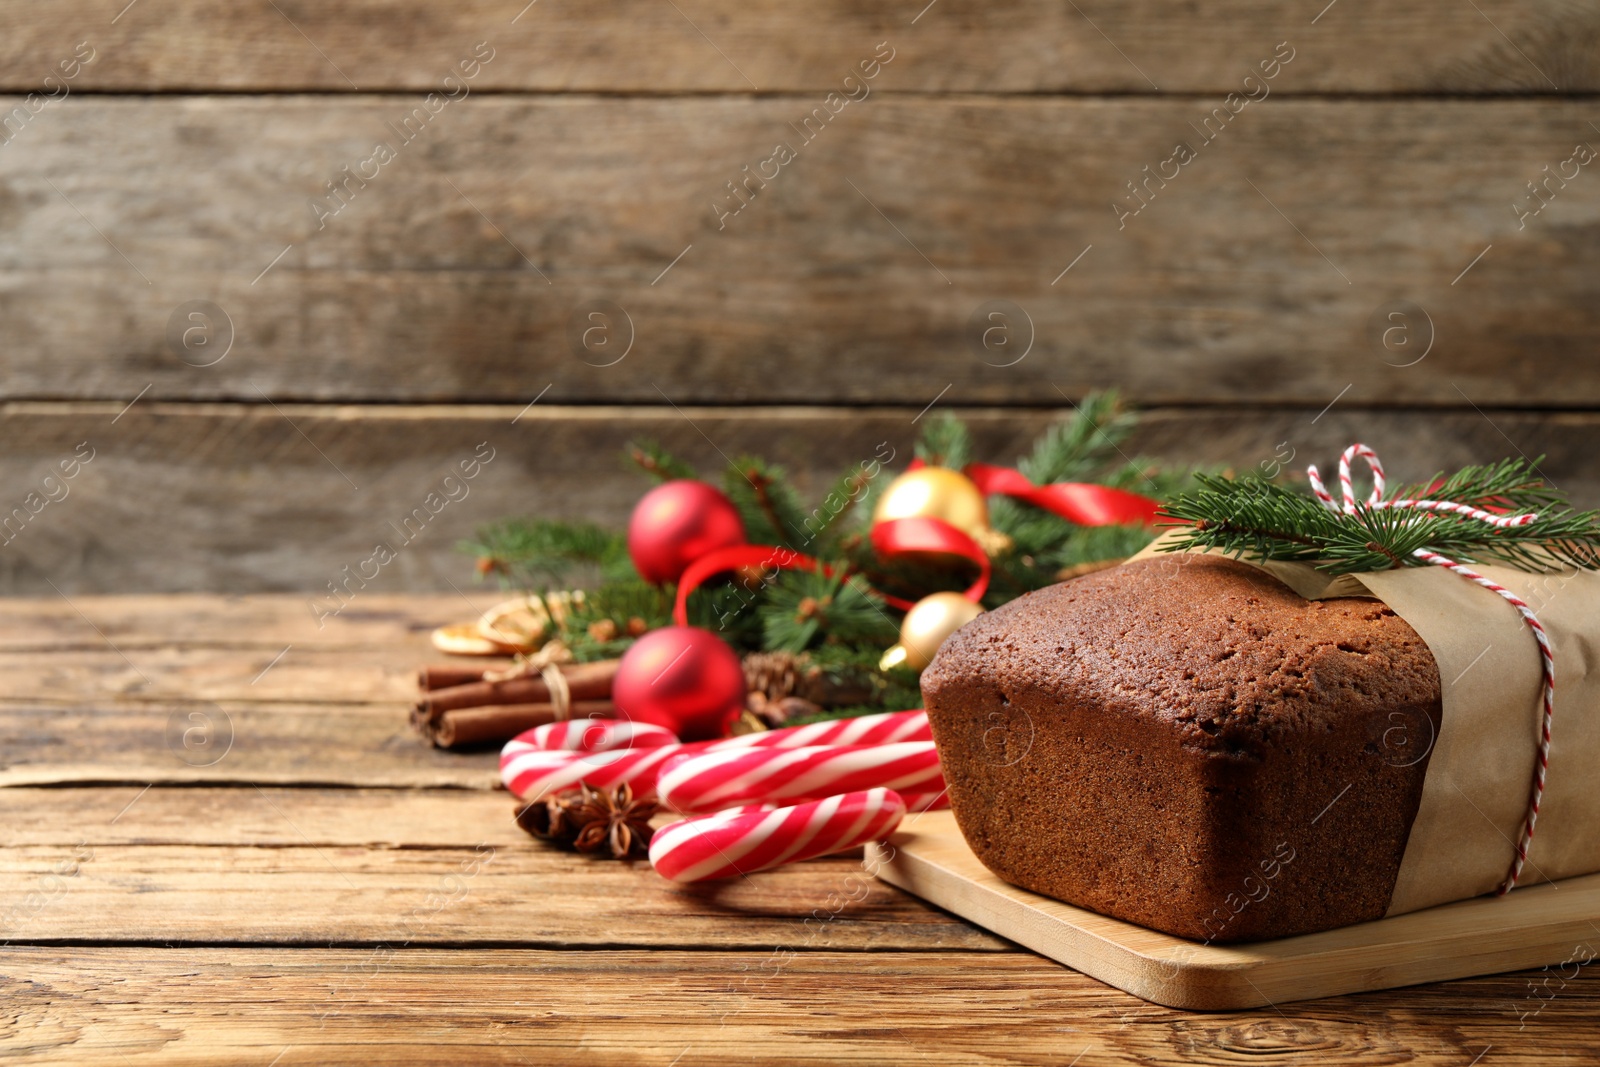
(676, 523)
(681, 677)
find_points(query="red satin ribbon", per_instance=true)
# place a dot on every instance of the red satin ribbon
(1078, 502)
(895, 536)
(728, 559)
(889, 538)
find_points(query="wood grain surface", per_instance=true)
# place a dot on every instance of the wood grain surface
(468, 267)
(263, 497)
(183, 233)
(381, 624)
(471, 893)
(231, 910)
(310, 909)
(722, 46)
(1550, 925)
(187, 740)
(223, 674)
(273, 816)
(192, 1005)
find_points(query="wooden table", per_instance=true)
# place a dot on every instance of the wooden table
(222, 844)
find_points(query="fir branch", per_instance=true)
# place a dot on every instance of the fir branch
(945, 442)
(868, 502)
(1078, 447)
(854, 669)
(827, 521)
(911, 576)
(731, 611)
(1251, 516)
(607, 620)
(762, 485)
(768, 506)
(803, 607)
(1509, 483)
(658, 463)
(529, 553)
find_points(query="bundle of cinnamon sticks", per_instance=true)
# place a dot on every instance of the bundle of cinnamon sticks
(457, 708)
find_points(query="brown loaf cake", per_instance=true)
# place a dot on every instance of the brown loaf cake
(1185, 743)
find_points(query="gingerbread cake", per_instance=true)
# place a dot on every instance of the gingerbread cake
(1186, 743)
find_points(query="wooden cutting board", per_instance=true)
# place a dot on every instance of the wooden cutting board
(1552, 924)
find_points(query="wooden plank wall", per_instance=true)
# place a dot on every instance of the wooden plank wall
(261, 291)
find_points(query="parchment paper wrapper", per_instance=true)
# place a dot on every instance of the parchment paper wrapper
(1480, 773)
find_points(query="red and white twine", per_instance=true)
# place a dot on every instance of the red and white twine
(1547, 661)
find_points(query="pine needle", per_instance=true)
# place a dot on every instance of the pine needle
(945, 442)
(658, 463)
(1251, 516)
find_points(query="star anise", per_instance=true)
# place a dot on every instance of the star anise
(550, 818)
(593, 820)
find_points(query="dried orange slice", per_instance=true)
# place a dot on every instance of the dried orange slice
(523, 624)
(464, 639)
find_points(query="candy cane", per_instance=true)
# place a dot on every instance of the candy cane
(1375, 498)
(728, 844)
(881, 729)
(1547, 662)
(549, 758)
(916, 803)
(531, 773)
(707, 781)
(594, 735)
(600, 735)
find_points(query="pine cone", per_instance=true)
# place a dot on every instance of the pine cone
(773, 714)
(774, 675)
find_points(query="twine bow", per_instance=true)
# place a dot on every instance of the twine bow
(1547, 664)
(546, 663)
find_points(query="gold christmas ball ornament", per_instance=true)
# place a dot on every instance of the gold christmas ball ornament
(925, 627)
(935, 493)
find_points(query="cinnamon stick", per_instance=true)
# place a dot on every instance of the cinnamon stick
(585, 681)
(445, 675)
(498, 723)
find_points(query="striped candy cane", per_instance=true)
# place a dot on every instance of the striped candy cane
(550, 758)
(707, 781)
(596, 735)
(729, 844)
(1547, 662)
(1345, 486)
(917, 803)
(882, 729)
(531, 773)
